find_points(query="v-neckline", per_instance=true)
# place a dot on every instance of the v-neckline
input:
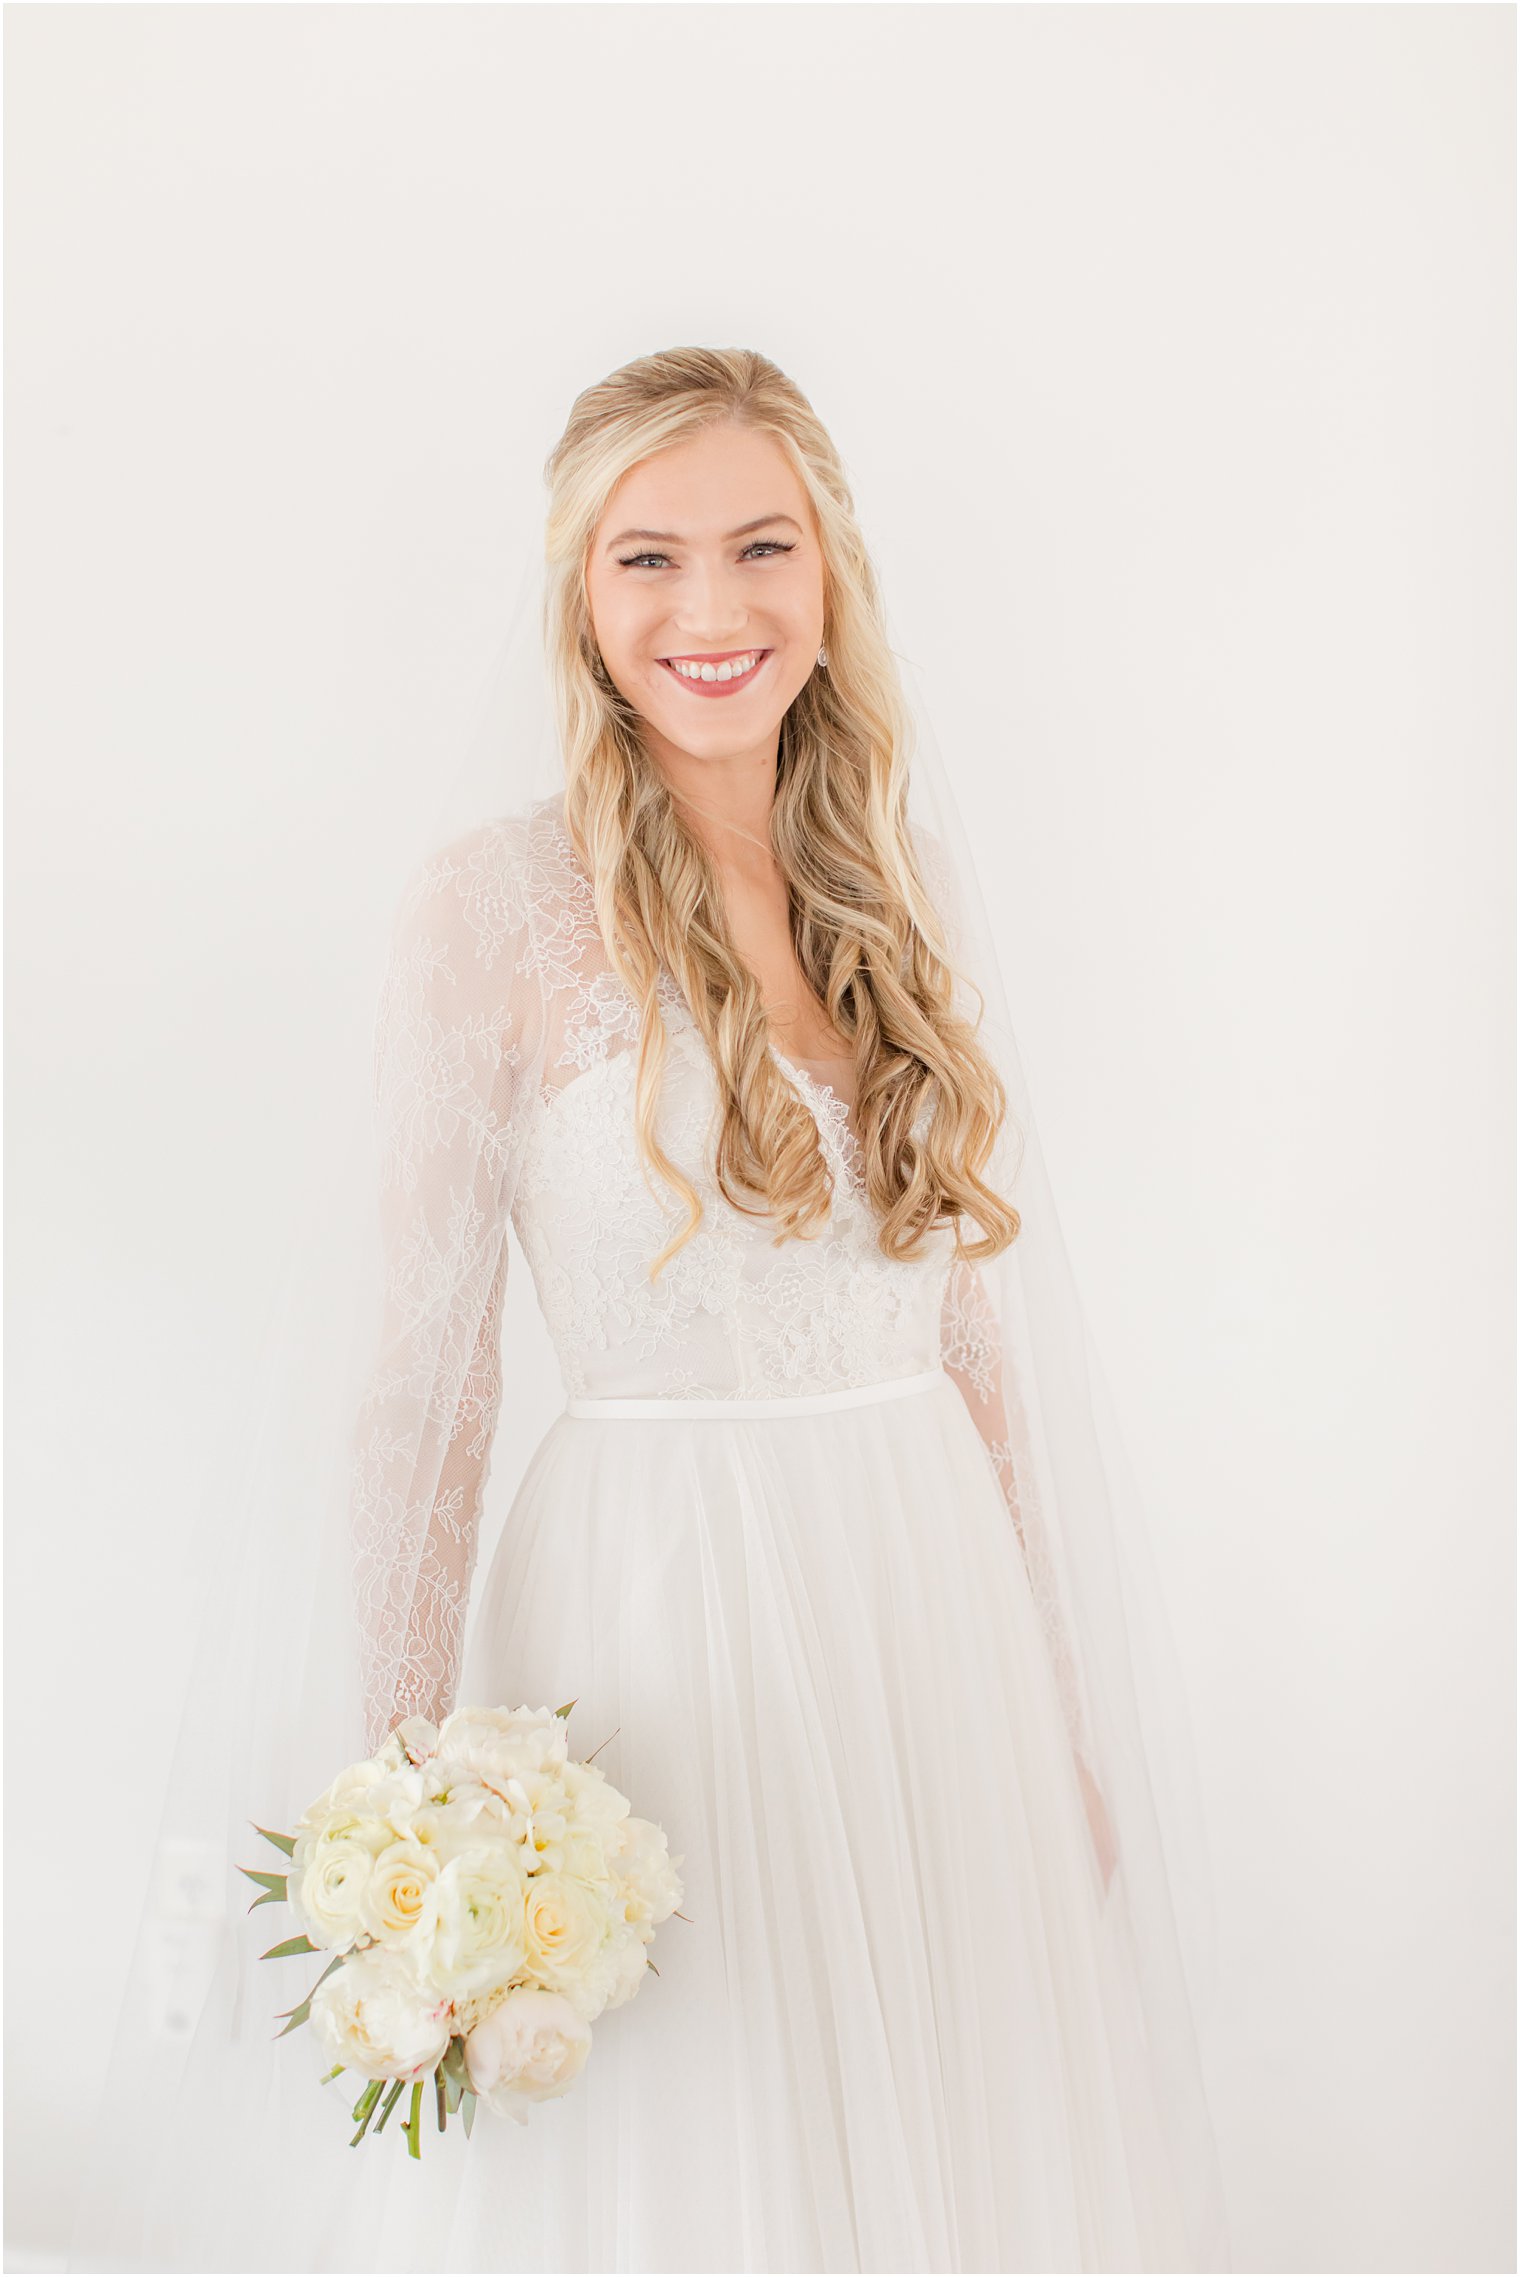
(833, 1114)
(831, 1111)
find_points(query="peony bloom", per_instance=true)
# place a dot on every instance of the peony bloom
(497, 1743)
(530, 2047)
(594, 1801)
(374, 2017)
(645, 1873)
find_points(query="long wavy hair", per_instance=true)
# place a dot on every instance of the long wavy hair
(864, 928)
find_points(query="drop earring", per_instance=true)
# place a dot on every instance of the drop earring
(823, 659)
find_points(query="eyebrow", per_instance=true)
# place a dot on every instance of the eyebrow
(669, 537)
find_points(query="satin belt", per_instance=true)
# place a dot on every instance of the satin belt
(800, 1403)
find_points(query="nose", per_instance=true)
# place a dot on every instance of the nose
(712, 609)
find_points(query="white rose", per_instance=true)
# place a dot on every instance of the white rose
(392, 1901)
(373, 2017)
(326, 1891)
(566, 1923)
(529, 2048)
(469, 1933)
(496, 1742)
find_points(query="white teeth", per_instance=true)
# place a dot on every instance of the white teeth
(735, 669)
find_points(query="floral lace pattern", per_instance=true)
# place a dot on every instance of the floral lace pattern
(973, 1355)
(731, 1315)
(505, 1067)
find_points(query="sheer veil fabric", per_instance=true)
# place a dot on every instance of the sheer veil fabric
(337, 1585)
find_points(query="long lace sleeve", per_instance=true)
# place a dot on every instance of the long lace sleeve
(972, 1353)
(458, 1043)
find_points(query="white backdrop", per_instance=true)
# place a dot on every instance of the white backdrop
(1170, 349)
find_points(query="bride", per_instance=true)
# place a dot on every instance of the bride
(822, 1544)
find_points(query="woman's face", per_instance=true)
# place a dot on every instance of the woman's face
(708, 554)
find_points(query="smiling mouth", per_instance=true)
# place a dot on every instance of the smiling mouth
(715, 675)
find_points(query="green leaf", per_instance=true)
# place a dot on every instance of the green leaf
(469, 2114)
(456, 2078)
(298, 2015)
(565, 1710)
(272, 1884)
(302, 1944)
(285, 1842)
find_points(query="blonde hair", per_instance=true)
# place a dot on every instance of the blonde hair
(864, 930)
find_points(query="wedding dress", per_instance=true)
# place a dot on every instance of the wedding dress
(776, 1549)
(821, 1549)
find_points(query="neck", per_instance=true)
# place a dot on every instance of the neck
(724, 802)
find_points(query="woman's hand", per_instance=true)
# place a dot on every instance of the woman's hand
(1099, 1822)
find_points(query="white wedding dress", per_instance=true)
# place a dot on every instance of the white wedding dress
(775, 1550)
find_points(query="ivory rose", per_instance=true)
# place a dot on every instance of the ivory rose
(399, 1879)
(566, 1922)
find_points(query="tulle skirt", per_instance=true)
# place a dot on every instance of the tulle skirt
(901, 2026)
(898, 2029)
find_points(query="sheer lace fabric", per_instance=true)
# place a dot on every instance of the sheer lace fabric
(504, 1088)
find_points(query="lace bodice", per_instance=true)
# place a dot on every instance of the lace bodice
(506, 1065)
(731, 1315)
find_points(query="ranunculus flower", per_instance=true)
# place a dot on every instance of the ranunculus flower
(326, 1892)
(374, 2017)
(469, 1934)
(528, 2048)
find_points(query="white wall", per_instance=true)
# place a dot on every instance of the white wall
(1171, 352)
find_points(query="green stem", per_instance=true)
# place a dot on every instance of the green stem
(390, 2103)
(364, 2109)
(413, 2128)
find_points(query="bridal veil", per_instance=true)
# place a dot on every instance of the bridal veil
(338, 1546)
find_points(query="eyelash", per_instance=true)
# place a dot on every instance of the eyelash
(632, 560)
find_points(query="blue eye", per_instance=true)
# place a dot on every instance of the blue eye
(637, 560)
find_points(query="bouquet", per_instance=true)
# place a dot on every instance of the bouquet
(484, 1898)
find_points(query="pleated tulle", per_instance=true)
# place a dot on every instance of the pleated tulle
(899, 2030)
